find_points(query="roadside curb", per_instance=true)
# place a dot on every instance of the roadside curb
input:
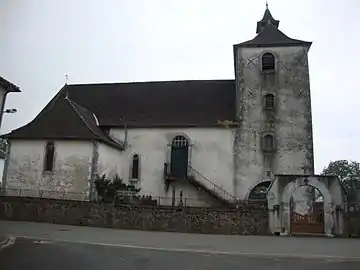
(4, 241)
(7, 242)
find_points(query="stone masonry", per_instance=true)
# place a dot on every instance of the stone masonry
(247, 219)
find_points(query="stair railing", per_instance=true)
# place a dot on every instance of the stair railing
(211, 186)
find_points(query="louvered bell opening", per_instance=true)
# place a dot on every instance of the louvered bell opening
(268, 62)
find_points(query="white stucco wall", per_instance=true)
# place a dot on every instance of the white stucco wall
(111, 162)
(72, 167)
(211, 153)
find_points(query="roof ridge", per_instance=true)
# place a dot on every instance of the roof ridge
(165, 81)
(73, 104)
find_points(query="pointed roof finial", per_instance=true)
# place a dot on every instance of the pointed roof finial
(266, 18)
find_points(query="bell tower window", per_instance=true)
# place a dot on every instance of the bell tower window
(269, 101)
(268, 62)
(268, 143)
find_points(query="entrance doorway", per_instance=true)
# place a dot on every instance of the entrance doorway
(179, 157)
(307, 211)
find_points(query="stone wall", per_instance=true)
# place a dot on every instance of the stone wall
(247, 219)
(71, 171)
(352, 221)
(290, 121)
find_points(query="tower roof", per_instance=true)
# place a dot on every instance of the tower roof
(266, 19)
(270, 36)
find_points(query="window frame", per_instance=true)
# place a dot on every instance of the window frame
(264, 146)
(273, 66)
(266, 105)
(135, 157)
(46, 165)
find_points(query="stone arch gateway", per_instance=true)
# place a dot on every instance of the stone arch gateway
(282, 189)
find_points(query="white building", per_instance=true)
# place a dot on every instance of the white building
(5, 88)
(214, 140)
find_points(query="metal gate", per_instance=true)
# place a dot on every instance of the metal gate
(311, 222)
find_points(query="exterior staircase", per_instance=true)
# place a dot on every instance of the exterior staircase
(201, 182)
(204, 184)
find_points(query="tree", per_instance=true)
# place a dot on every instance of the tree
(349, 174)
(107, 190)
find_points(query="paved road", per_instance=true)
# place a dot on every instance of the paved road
(27, 254)
(68, 247)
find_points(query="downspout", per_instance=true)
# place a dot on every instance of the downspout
(93, 171)
(6, 166)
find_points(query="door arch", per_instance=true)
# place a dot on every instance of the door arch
(179, 157)
(326, 205)
(307, 210)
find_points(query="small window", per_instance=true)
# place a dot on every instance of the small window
(180, 142)
(135, 167)
(49, 157)
(268, 62)
(268, 142)
(269, 101)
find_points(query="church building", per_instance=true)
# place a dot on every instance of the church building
(211, 141)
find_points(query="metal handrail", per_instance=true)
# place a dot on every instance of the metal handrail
(219, 191)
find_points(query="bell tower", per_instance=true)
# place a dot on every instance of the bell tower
(273, 107)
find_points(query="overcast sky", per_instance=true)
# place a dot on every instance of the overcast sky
(147, 40)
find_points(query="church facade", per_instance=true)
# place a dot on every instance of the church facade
(211, 141)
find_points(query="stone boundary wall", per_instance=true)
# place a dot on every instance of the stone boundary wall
(247, 219)
(352, 220)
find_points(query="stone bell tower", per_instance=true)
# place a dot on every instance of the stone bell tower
(273, 107)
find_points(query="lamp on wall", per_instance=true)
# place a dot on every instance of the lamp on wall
(10, 111)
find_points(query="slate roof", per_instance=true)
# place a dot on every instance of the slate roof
(63, 118)
(270, 36)
(8, 86)
(158, 104)
(70, 114)
(266, 18)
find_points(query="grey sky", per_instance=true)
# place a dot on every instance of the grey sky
(147, 40)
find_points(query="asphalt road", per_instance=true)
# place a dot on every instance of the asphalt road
(47, 246)
(34, 255)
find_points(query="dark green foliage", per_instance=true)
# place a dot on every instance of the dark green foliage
(107, 190)
(349, 174)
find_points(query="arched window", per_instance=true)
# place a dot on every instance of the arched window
(269, 101)
(268, 61)
(49, 157)
(268, 142)
(180, 142)
(258, 193)
(135, 167)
